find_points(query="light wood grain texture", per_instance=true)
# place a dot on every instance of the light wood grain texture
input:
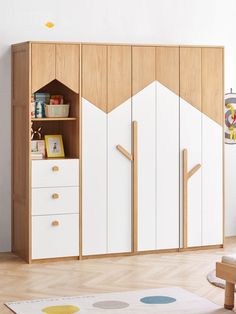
(186, 176)
(53, 119)
(212, 82)
(167, 67)
(67, 65)
(119, 75)
(80, 160)
(20, 151)
(94, 75)
(190, 76)
(135, 185)
(227, 272)
(187, 270)
(143, 68)
(43, 65)
(123, 151)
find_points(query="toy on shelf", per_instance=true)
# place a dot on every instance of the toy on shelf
(230, 118)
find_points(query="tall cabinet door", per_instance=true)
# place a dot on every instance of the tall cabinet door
(144, 112)
(94, 149)
(167, 147)
(119, 191)
(212, 146)
(190, 139)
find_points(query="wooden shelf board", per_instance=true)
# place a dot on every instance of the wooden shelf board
(54, 119)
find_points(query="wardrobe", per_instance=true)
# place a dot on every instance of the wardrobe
(143, 170)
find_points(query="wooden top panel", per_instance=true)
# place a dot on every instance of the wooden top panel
(119, 75)
(212, 84)
(167, 67)
(143, 67)
(43, 65)
(190, 76)
(94, 75)
(67, 66)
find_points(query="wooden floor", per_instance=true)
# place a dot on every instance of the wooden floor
(19, 281)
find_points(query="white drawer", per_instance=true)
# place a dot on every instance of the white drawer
(51, 173)
(51, 241)
(57, 200)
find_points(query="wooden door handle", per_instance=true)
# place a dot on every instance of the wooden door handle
(123, 151)
(55, 223)
(55, 196)
(186, 176)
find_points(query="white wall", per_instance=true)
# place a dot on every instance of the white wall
(135, 21)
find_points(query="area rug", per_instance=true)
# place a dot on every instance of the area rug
(218, 282)
(164, 300)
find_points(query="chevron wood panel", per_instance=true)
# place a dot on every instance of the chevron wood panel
(212, 83)
(94, 75)
(167, 67)
(190, 76)
(143, 68)
(119, 75)
(43, 64)
(20, 281)
(67, 65)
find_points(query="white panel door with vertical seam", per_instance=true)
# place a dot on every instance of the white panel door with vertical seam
(212, 182)
(144, 112)
(167, 168)
(190, 139)
(94, 179)
(119, 191)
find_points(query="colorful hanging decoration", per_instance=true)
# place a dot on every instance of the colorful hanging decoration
(230, 118)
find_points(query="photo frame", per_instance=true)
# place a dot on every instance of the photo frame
(54, 146)
(38, 146)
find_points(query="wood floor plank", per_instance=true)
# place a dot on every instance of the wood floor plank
(20, 281)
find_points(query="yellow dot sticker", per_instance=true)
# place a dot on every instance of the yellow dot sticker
(49, 24)
(61, 309)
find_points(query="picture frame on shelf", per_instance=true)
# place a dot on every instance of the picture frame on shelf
(54, 146)
(38, 147)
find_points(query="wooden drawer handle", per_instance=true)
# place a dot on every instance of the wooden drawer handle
(55, 168)
(55, 196)
(55, 223)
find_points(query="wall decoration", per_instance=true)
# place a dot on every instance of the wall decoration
(49, 24)
(230, 117)
(54, 146)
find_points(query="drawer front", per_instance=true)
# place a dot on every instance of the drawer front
(53, 201)
(51, 173)
(55, 236)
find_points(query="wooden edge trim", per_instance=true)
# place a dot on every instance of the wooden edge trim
(226, 272)
(185, 198)
(123, 151)
(193, 170)
(202, 248)
(57, 259)
(135, 185)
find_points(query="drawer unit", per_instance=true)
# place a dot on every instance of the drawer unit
(55, 236)
(56, 200)
(55, 172)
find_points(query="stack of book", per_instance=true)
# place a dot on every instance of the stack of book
(36, 155)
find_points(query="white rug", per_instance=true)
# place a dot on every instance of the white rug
(163, 301)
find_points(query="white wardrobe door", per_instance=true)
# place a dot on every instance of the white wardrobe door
(144, 112)
(167, 168)
(190, 139)
(119, 180)
(94, 176)
(212, 182)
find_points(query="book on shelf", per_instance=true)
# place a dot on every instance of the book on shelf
(36, 156)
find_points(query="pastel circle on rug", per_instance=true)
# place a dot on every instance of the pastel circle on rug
(61, 309)
(110, 305)
(157, 299)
